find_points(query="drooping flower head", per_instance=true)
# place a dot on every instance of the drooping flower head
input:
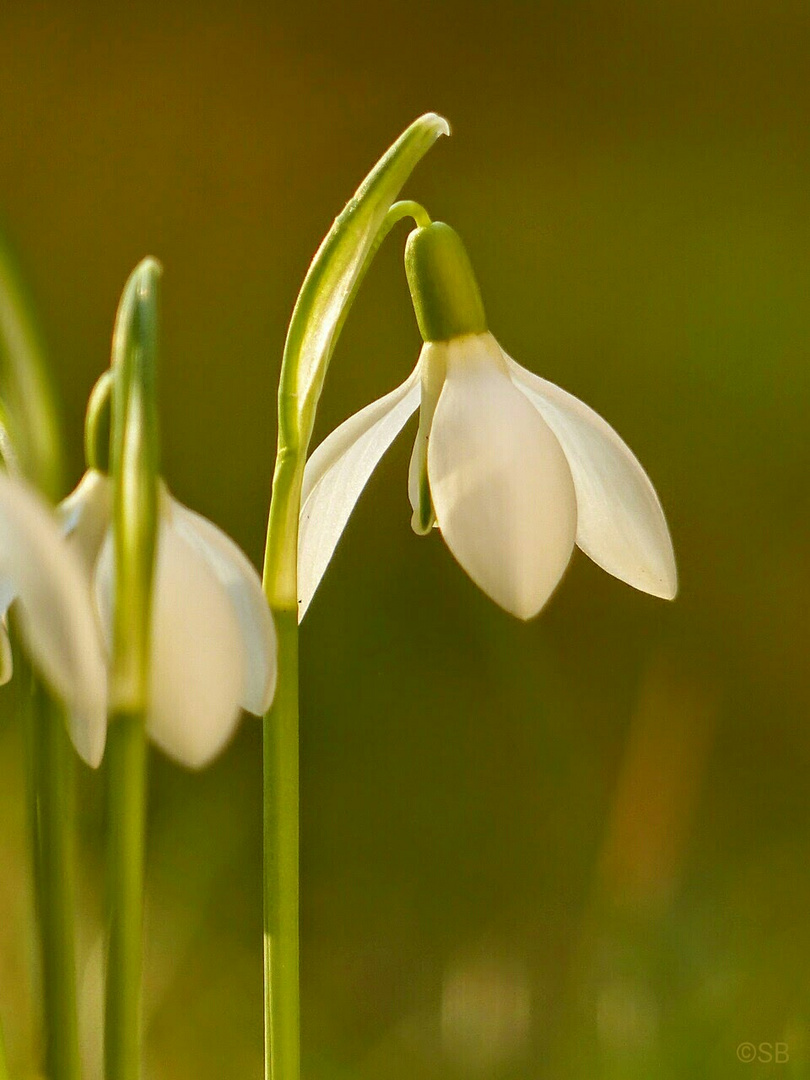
(212, 641)
(189, 634)
(511, 469)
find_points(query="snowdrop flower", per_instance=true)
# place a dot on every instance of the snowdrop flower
(44, 579)
(213, 647)
(511, 469)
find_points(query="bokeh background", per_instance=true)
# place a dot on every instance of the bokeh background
(574, 848)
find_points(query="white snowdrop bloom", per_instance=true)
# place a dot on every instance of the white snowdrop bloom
(511, 469)
(213, 649)
(43, 578)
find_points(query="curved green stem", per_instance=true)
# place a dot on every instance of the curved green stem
(402, 209)
(98, 413)
(280, 554)
(126, 810)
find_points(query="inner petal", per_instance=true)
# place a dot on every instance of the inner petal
(434, 369)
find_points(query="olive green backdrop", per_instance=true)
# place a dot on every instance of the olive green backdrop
(576, 848)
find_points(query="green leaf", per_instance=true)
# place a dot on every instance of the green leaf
(135, 477)
(29, 408)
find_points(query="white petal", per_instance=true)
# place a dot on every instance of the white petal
(238, 575)
(197, 663)
(8, 590)
(85, 516)
(336, 474)
(621, 525)
(56, 613)
(500, 484)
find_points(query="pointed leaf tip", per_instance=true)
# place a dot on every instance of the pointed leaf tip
(437, 122)
(145, 278)
(149, 268)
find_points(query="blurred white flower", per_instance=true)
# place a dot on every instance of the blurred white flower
(213, 640)
(512, 470)
(43, 578)
(486, 1013)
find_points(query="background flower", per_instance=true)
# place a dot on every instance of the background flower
(213, 641)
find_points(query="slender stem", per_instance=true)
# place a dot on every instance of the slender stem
(54, 783)
(97, 441)
(126, 808)
(4, 1073)
(281, 755)
(282, 1010)
(402, 209)
(31, 726)
(320, 311)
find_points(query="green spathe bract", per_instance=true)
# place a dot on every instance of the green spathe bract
(444, 289)
(135, 482)
(320, 311)
(134, 461)
(29, 407)
(338, 268)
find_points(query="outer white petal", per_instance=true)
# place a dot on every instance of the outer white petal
(56, 612)
(85, 516)
(8, 590)
(238, 575)
(197, 675)
(621, 525)
(500, 484)
(336, 474)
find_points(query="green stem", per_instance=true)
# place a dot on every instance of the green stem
(55, 788)
(126, 807)
(320, 311)
(31, 726)
(281, 803)
(4, 1073)
(402, 209)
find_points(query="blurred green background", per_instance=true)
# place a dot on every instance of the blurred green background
(577, 848)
